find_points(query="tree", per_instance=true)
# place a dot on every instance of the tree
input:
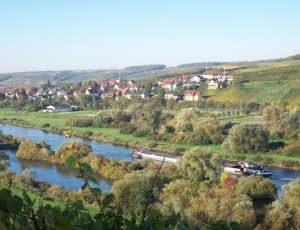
(277, 217)
(256, 187)
(137, 183)
(152, 116)
(248, 138)
(199, 165)
(290, 123)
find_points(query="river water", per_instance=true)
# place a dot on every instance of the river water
(57, 174)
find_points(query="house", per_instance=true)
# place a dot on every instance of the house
(128, 95)
(184, 78)
(61, 92)
(213, 84)
(57, 108)
(69, 97)
(121, 85)
(190, 83)
(212, 73)
(169, 84)
(92, 92)
(104, 88)
(141, 94)
(191, 95)
(108, 95)
(77, 92)
(41, 92)
(198, 79)
(171, 94)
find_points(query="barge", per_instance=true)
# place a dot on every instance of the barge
(139, 154)
(248, 168)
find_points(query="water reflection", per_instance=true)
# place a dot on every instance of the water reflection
(55, 140)
(52, 173)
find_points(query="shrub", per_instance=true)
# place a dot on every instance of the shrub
(152, 144)
(87, 134)
(128, 129)
(141, 132)
(292, 149)
(80, 122)
(46, 125)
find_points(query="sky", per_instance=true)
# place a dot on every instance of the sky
(40, 35)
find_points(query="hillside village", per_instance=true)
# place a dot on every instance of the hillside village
(65, 96)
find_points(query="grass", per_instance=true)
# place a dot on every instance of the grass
(33, 196)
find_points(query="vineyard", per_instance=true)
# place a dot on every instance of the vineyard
(258, 95)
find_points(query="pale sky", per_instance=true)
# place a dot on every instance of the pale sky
(40, 35)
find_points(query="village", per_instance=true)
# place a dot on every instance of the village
(63, 97)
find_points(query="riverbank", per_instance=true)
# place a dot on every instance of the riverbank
(112, 135)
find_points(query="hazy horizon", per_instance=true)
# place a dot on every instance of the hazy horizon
(55, 35)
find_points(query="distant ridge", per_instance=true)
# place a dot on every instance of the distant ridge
(34, 78)
(202, 64)
(207, 64)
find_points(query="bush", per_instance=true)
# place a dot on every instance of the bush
(87, 134)
(80, 122)
(128, 129)
(141, 132)
(292, 149)
(152, 144)
(46, 125)
(276, 145)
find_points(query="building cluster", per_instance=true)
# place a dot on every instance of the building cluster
(113, 89)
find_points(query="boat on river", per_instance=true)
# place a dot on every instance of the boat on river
(136, 154)
(157, 157)
(248, 168)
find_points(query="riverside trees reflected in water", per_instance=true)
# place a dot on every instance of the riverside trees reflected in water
(51, 173)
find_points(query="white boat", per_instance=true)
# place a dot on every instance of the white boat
(248, 168)
(140, 154)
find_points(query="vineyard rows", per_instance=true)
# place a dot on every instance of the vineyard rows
(258, 95)
(264, 95)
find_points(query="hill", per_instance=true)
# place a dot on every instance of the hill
(284, 69)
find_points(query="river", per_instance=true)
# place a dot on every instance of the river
(57, 174)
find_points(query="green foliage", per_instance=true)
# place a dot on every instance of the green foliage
(248, 138)
(152, 144)
(256, 187)
(73, 148)
(128, 129)
(80, 122)
(195, 127)
(31, 150)
(199, 165)
(45, 125)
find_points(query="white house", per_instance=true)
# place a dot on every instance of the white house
(191, 95)
(212, 73)
(172, 95)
